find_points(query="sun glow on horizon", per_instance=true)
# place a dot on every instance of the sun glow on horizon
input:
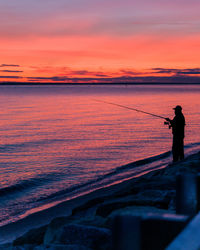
(93, 42)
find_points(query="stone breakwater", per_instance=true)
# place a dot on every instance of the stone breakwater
(89, 225)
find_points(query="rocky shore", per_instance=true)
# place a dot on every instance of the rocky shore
(89, 223)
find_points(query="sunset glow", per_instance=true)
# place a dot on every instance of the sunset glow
(99, 41)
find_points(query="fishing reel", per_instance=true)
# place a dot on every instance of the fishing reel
(168, 123)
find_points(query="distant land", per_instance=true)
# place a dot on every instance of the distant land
(99, 83)
(156, 76)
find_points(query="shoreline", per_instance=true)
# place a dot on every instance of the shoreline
(120, 174)
(65, 208)
(141, 194)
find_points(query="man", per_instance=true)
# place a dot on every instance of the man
(178, 127)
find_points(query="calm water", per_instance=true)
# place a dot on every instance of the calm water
(57, 142)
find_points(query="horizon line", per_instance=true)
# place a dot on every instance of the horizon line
(98, 83)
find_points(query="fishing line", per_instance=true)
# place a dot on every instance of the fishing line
(137, 110)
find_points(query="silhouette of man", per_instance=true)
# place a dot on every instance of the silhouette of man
(178, 127)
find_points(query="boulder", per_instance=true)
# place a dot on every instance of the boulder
(59, 223)
(133, 211)
(7, 246)
(34, 236)
(156, 198)
(49, 247)
(61, 247)
(88, 236)
(88, 205)
(23, 247)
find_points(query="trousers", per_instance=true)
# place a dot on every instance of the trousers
(178, 148)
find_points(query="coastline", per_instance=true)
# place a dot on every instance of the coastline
(151, 192)
(44, 216)
(120, 174)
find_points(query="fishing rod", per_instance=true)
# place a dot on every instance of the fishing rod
(137, 110)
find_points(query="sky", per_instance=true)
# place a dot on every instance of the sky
(99, 41)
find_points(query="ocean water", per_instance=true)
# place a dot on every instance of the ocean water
(59, 142)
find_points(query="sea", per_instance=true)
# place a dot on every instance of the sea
(60, 142)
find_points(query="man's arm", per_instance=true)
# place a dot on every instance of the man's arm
(170, 122)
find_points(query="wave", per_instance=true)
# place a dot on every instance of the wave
(24, 185)
(121, 173)
(118, 175)
(18, 147)
(109, 178)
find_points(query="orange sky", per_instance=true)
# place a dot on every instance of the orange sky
(99, 42)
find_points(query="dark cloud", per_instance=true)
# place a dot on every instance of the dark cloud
(192, 71)
(9, 65)
(101, 75)
(129, 72)
(164, 71)
(12, 71)
(68, 72)
(11, 77)
(122, 79)
(67, 79)
(86, 72)
(54, 78)
(79, 72)
(155, 75)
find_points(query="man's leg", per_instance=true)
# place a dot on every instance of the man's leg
(175, 150)
(181, 149)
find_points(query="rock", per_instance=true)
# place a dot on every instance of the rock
(157, 183)
(89, 204)
(133, 211)
(61, 247)
(157, 198)
(88, 236)
(150, 231)
(105, 209)
(23, 247)
(34, 236)
(48, 247)
(58, 223)
(7, 246)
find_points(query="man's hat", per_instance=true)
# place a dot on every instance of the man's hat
(178, 107)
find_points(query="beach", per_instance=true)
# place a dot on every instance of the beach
(153, 192)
